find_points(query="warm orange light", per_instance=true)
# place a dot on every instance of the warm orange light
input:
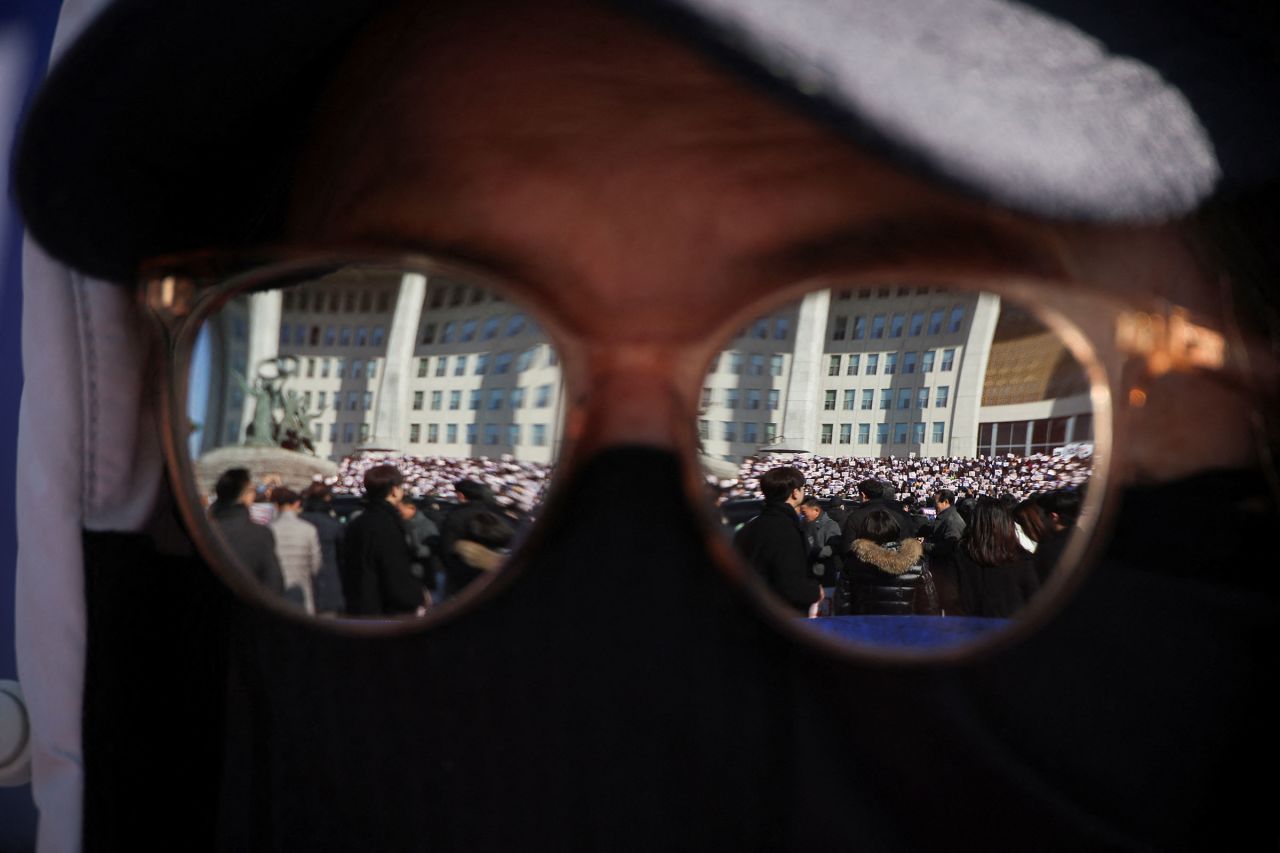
(1137, 398)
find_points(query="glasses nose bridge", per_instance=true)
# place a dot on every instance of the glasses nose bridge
(633, 394)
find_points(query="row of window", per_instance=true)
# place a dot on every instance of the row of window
(884, 292)
(467, 330)
(754, 364)
(514, 398)
(501, 362)
(336, 301)
(360, 369)
(492, 432)
(882, 433)
(761, 328)
(729, 431)
(854, 363)
(941, 398)
(344, 336)
(897, 324)
(457, 294)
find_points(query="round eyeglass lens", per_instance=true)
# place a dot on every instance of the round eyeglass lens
(903, 468)
(371, 441)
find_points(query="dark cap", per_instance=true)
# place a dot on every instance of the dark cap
(171, 124)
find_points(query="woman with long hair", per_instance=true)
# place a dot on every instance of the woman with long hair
(997, 575)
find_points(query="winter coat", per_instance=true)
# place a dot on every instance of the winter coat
(375, 564)
(298, 550)
(886, 580)
(327, 583)
(251, 542)
(774, 545)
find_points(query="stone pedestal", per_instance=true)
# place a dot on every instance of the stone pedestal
(295, 470)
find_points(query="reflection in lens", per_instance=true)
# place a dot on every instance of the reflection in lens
(372, 442)
(932, 445)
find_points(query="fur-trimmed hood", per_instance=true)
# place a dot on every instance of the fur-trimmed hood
(896, 558)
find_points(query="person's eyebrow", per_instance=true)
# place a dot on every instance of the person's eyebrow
(928, 245)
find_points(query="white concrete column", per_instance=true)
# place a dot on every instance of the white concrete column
(265, 312)
(388, 431)
(970, 376)
(801, 408)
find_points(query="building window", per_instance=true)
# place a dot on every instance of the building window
(447, 333)
(826, 433)
(433, 433)
(366, 302)
(868, 398)
(706, 397)
(882, 293)
(417, 399)
(780, 328)
(320, 400)
(829, 401)
(909, 362)
(917, 324)
(760, 329)
(864, 433)
(344, 336)
(895, 326)
(935, 322)
(368, 400)
(460, 365)
(941, 400)
(379, 335)
(917, 433)
(502, 364)
(442, 365)
(482, 363)
(904, 398)
(864, 293)
(455, 400)
(753, 398)
(515, 325)
(357, 368)
(772, 399)
(324, 368)
(517, 398)
(353, 398)
(436, 400)
(839, 327)
(859, 328)
(770, 433)
(735, 363)
(473, 399)
(539, 435)
(471, 433)
(846, 433)
(525, 360)
(348, 433)
(899, 433)
(948, 359)
(937, 431)
(922, 398)
(496, 395)
(833, 366)
(542, 397)
(490, 434)
(337, 401)
(330, 336)
(715, 363)
(886, 398)
(362, 337)
(364, 432)
(890, 363)
(422, 367)
(451, 433)
(371, 369)
(882, 433)
(749, 432)
(437, 297)
(490, 330)
(429, 333)
(414, 433)
(850, 397)
(731, 398)
(467, 332)
(854, 361)
(729, 430)
(877, 326)
(926, 363)
(873, 363)
(513, 434)
(775, 364)
(704, 429)
(957, 318)
(285, 334)
(757, 365)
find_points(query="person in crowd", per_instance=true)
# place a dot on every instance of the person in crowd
(297, 549)
(424, 540)
(886, 573)
(875, 495)
(474, 498)
(317, 510)
(773, 542)
(822, 535)
(948, 527)
(376, 579)
(997, 576)
(487, 541)
(252, 543)
(1061, 509)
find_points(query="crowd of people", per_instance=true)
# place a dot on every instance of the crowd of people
(978, 554)
(512, 482)
(390, 557)
(917, 479)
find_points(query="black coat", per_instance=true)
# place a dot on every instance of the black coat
(327, 583)
(458, 572)
(773, 543)
(994, 591)
(886, 580)
(253, 543)
(375, 564)
(906, 524)
(947, 531)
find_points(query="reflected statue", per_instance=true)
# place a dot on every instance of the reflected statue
(280, 419)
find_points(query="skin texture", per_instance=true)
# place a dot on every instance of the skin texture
(650, 201)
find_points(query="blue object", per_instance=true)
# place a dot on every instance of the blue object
(908, 631)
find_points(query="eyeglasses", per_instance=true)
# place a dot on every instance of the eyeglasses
(310, 373)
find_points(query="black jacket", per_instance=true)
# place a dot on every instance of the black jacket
(906, 524)
(994, 591)
(774, 544)
(458, 573)
(948, 529)
(375, 564)
(327, 583)
(886, 580)
(253, 543)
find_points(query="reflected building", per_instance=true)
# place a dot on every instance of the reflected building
(894, 371)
